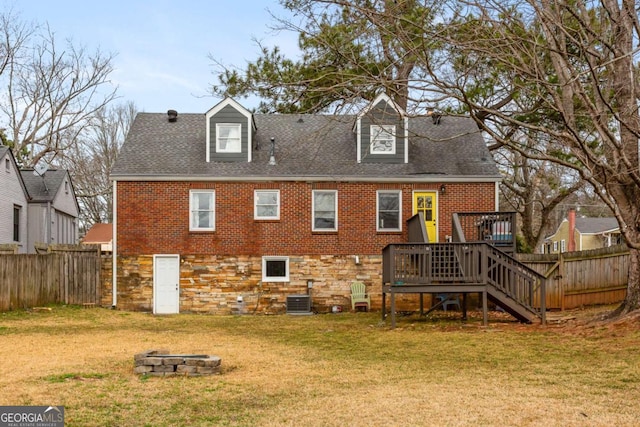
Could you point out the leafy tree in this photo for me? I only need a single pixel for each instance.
(344, 59)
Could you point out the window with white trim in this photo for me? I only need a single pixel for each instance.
(383, 139)
(228, 138)
(202, 209)
(275, 269)
(563, 247)
(267, 204)
(388, 210)
(555, 246)
(324, 210)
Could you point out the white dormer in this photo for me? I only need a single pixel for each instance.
(382, 131)
(229, 134)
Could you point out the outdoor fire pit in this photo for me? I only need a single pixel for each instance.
(161, 363)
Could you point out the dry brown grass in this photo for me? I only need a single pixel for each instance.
(325, 370)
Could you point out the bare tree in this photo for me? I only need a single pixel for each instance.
(90, 162)
(14, 33)
(534, 189)
(51, 90)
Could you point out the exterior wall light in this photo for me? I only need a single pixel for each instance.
(443, 189)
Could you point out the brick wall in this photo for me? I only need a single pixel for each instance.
(153, 217)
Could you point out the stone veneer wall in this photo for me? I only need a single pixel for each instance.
(212, 284)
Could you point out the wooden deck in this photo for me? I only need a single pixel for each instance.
(463, 268)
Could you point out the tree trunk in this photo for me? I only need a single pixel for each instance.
(632, 300)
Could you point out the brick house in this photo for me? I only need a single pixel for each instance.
(228, 206)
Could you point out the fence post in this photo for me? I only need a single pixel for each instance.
(561, 280)
(65, 268)
(543, 300)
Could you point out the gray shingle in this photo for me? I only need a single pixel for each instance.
(42, 190)
(322, 146)
(596, 225)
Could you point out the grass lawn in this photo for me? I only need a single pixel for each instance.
(325, 370)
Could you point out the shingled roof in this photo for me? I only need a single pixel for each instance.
(43, 189)
(306, 147)
(597, 225)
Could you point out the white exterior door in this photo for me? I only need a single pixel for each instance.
(166, 284)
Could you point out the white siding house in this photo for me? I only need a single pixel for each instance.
(53, 208)
(13, 202)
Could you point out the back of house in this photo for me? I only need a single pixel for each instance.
(228, 206)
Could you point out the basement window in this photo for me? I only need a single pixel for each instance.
(275, 269)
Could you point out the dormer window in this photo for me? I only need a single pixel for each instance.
(228, 138)
(383, 140)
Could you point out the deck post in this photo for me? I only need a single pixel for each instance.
(384, 304)
(485, 309)
(464, 306)
(393, 309)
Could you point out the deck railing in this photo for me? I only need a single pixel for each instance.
(416, 229)
(495, 228)
(462, 264)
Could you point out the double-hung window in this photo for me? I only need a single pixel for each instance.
(325, 210)
(383, 139)
(388, 210)
(16, 223)
(228, 138)
(267, 204)
(202, 207)
(275, 269)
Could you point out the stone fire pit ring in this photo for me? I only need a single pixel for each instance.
(161, 363)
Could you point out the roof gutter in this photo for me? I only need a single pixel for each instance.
(387, 179)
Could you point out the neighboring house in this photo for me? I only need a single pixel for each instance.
(588, 233)
(229, 207)
(53, 207)
(100, 234)
(13, 202)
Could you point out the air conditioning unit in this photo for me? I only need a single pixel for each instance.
(299, 304)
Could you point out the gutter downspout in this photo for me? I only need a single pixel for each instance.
(114, 249)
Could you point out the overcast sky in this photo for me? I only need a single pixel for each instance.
(162, 46)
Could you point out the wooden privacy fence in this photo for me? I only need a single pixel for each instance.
(574, 279)
(63, 275)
